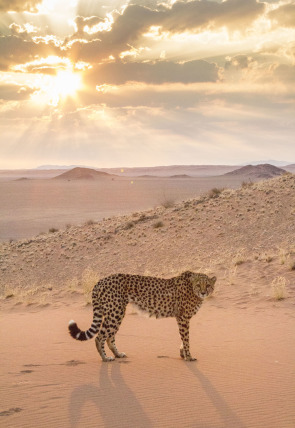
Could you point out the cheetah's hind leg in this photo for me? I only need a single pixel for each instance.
(99, 342)
(112, 345)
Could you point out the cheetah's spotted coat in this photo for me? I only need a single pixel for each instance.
(180, 297)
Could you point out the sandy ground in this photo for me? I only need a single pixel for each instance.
(30, 207)
(244, 376)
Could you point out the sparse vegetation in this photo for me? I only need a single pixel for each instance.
(35, 295)
(129, 225)
(72, 284)
(231, 275)
(279, 288)
(90, 222)
(168, 203)
(53, 230)
(88, 280)
(247, 184)
(283, 256)
(239, 258)
(158, 224)
(215, 192)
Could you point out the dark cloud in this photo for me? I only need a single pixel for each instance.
(118, 73)
(9, 92)
(193, 16)
(285, 73)
(125, 32)
(16, 50)
(196, 15)
(19, 5)
(284, 15)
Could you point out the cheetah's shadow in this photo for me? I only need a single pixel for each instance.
(114, 400)
(227, 415)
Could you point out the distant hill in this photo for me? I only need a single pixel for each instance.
(263, 162)
(180, 176)
(253, 172)
(65, 167)
(83, 174)
(170, 170)
(290, 168)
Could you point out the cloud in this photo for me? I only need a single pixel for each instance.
(19, 5)
(17, 50)
(129, 27)
(25, 29)
(239, 61)
(14, 92)
(118, 73)
(83, 23)
(285, 73)
(196, 15)
(284, 15)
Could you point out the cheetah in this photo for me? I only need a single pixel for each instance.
(180, 297)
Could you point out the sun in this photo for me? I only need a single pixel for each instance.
(66, 83)
(56, 89)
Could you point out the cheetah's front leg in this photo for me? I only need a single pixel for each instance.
(183, 325)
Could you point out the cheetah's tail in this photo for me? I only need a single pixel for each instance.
(78, 334)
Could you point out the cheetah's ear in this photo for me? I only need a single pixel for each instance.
(187, 274)
(213, 280)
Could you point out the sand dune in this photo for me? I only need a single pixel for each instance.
(243, 336)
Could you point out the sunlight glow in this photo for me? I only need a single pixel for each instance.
(60, 6)
(54, 89)
(67, 83)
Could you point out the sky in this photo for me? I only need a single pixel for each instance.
(113, 83)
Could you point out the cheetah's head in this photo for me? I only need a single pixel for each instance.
(202, 285)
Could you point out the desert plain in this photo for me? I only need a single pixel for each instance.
(240, 230)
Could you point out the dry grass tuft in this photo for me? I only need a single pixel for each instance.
(158, 224)
(239, 258)
(72, 284)
(88, 280)
(279, 288)
(284, 255)
(215, 192)
(90, 222)
(230, 275)
(129, 225)
(247, 184)
(168, 203)
(35, 295)
(53, 230)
